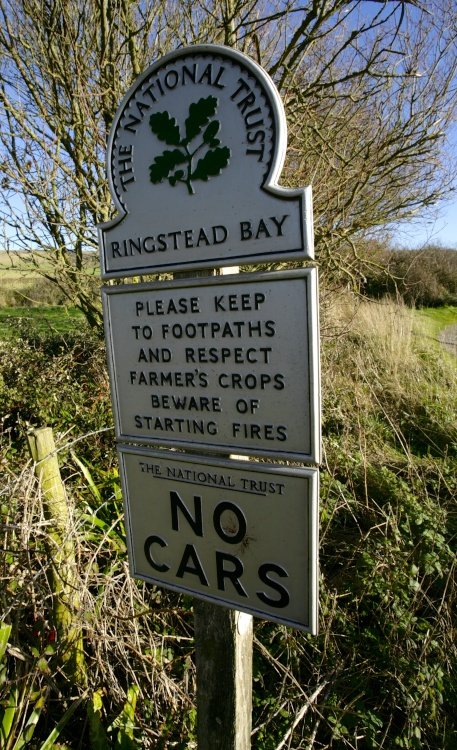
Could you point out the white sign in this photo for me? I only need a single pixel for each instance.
(227, 364)
(194, 155)
(244, 536)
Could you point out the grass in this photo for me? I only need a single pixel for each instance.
(53, 319)
(30, 264)
(31, 301)
(437, 318)
(382, 669)
(23, 281)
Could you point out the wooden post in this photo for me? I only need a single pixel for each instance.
(223, 649)
(61, 552)
(223, 645)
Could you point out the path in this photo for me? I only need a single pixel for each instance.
(448, 337)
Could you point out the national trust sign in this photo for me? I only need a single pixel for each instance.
(206, 124)
(224, 364)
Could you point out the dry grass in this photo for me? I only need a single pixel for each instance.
(393, 333)
(390, 325)
(130, 628)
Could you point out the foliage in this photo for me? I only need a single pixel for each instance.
(361, 83)
(22, 703)
(41, 292)
(421, 278)
(54, 380)
(27, 280)
(166, 129)
(382, 673)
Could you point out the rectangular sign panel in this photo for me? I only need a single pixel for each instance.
(227, 364)
(241, 535)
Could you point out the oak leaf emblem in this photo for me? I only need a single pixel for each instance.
(198, 155)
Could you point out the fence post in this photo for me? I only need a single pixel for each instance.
(61, 552)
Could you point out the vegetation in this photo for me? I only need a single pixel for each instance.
(30, 300)
(49, 320)
(362, 85)
(437, 319)
(96, 659)
(421, 278)
(381, 673)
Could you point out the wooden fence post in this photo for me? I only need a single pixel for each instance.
(61, 552)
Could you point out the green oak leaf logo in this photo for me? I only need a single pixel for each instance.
(178, 165)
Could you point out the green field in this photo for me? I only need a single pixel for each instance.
(26, 295)
(53, 319)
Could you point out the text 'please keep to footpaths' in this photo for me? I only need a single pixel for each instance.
(226, 365)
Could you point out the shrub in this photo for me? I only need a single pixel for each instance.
(425, 278)
(381, 674)
(57, 381)
(40, 292)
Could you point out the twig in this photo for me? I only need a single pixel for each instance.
(301, 714)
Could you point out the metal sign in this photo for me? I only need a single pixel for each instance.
(194, 155)
(244, 536)
(227, 364)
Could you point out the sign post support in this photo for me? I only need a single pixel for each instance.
(223, 648)
(194, 156)
(223, 640)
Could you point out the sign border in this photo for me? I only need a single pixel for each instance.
(308, 274)
(311, 474)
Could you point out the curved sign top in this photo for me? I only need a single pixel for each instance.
(194, 156)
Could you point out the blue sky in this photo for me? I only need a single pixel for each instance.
(440, 227)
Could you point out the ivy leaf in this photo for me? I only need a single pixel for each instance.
(164, 163)
(165, 128)
(214, 161)
(199, 114)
